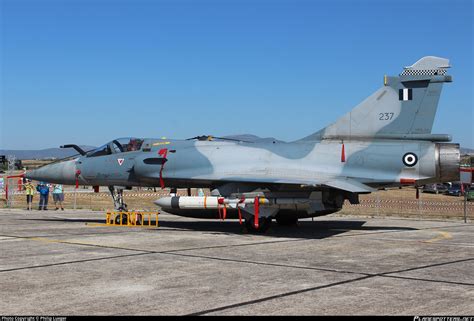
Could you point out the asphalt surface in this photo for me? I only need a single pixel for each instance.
(69, 263)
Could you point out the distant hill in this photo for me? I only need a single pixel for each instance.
(465, 151)
(49, 153)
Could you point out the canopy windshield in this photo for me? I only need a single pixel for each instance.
(127, 144)
(120, 145)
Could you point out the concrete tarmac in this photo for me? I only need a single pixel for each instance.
(68, 263)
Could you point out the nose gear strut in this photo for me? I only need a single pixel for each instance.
(117, 197)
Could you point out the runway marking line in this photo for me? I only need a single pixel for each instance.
(443, 236)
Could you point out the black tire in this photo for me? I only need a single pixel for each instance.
(287, 220)
(124, 219)
(139, 219)
(263, 225)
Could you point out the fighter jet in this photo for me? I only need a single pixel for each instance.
(385, 141)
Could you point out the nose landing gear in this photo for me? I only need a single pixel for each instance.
(117, 197)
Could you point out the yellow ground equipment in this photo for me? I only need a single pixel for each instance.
(133, 218)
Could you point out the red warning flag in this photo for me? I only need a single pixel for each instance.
(240, 215)
(256, 210)
(78, 172)
(163, 153)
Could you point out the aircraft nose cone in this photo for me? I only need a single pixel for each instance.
(60, 173)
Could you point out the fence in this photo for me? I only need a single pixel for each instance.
(401, 203)
(85, 198)
(404, 204)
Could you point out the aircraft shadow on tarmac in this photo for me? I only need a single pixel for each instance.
(304, 229)
(74, 220)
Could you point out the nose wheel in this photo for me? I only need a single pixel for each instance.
(124, 218)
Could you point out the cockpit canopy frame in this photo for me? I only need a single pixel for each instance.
(119, 145)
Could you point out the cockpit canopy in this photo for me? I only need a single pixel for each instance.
(119, 145)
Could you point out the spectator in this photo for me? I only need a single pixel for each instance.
(30, 191)
(43, 189)
(200, 192)
(58, 196)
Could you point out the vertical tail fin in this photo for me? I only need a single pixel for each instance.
(405, 105)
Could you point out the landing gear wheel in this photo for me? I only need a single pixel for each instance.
(139, 219)
(124, 219)
(287, 220)
(263, 225)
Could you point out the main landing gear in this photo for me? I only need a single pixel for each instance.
(263, 224)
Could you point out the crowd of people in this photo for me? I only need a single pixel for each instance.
(44, 190)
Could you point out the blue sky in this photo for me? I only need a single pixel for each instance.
(88, 71)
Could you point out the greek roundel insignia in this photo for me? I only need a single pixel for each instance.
(405, 94)
(120, 161)
(410, 159)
